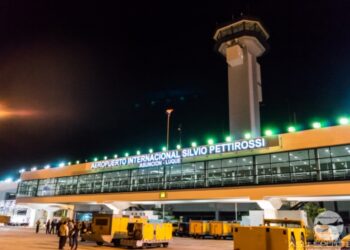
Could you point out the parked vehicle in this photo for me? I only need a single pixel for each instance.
(199, 229)
(108, 228)
(273, 235)
(221, 229)
(345, 243)
(147, 235)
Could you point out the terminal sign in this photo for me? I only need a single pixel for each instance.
(175, 156)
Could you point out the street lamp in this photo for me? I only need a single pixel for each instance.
(179, 129)
(168, 112)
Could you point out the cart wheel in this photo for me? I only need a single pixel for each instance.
(165, 245)
(99, 243)
(116, 242)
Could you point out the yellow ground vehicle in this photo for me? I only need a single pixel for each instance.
(221, 229)
(199, 229)
(147, 235)
(345, 243)
(274, 235)
(110, 228)
(4, 219)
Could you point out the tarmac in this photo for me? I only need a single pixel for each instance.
(18, 238)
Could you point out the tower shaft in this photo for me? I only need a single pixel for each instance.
(244, 91)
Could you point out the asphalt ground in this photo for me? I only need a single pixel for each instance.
(15, 238)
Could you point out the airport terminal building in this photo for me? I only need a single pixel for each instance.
(306, 165)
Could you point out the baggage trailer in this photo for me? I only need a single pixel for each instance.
(221, 229)
(274, 235)
(143, 235)
(199, 229)
(108, 228)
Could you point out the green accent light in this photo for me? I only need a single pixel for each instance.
(126, 154)
(316, 125)
(343, 121)
(69, 163)
(77, 162)
(115, 156)
(210, 141)
(105, 157)
(150, 151)
(95, 159)
(194, 144)
(228, 139)
(163, 149)
(291, 129)
(8, 180)
(247, 136)
(178, 146)
(138, 152)
(268, 132)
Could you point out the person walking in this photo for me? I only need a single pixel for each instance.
(63, 234)
(48, 224)
(70, 230)
(74, 234)
(58, 225)
(82, 230)
(53, 226)
(37, 226)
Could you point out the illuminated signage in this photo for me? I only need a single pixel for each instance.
(163, 195)
(176, 156)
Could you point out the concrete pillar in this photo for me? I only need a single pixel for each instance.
(32, 213)
(217, 214)
(70, 212)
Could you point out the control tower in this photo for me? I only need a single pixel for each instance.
(241, 42)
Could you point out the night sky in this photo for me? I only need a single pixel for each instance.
(82, 79)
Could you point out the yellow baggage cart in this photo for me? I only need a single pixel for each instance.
(199, 229)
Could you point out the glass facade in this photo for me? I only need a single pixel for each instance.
(321, 164)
